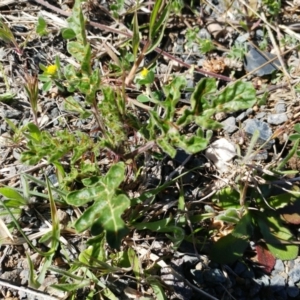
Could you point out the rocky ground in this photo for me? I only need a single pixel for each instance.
(263, 51)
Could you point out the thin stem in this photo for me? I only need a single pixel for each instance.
(98, 118)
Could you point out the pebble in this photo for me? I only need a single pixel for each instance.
(239, 268)
(214, 276)
(263, 280)
(241, 116)
(261, 155)
(292, 290)
(264, 129)
(229, 125)
(181, 156)
(242, 39)
(204, 34)
(280, 108)
(53, 179)
(279, 266)
(219, 116)
(259, 34)
(189, 259)
(277, 282)
(190, 178)
(254, 59)
(11, 114)
(255, 288)
(244, 115)
(295, 274)
(198, 276)
(43, 120)
(260, 115)
(220, 152)
(277, 119)
(17, 154)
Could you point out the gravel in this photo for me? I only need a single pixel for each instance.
(265, 132)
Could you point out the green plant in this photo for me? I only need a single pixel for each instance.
(237, 52)
(157, 25)
(257, 213)
(109, 204)
(41, 26)
(54, 148)
(7, 36)
(258, 223)
(273, 7)
(32, 90)
(205, 102)
(18, 133)
(205, 45)
(52, 75)
(117, 8)
(95, 173)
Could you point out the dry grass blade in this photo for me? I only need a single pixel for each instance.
(40, 295)
(279, 55)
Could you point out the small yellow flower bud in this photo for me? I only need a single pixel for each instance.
(51, 70)
(144, 72)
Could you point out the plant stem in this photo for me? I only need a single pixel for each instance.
(98, 118)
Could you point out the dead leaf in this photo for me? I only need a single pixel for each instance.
(291, 212)
(265, 258)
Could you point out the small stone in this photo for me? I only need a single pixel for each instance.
(241, 116)
(277, 282)
(53, 179)
(254, 59)
(43, 120)
(260, 115)
(263, 280)
(220, 116)
(259, 34)
(190, 178)
(279, 266)
(220, 153)
(16, 154)
(204, 34)
(239, 268)
(248, 274)
(214, 276)
(181, 156)
(242, 39)
(261, 155)
(249, 111)
(198, 275)
(280, 294)
(54, 113)
(188, 259)
(5, 139)
(24, 275)
(229, 125)
(295, 274)
(265, 132)
(277, 119)
(280, 108)
(254, 289)
(12, 114)
(292, 290)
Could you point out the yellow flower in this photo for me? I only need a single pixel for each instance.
(51, 70)
(144, 72)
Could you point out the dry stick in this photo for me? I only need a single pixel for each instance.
(129, 34)
(271, 36)
(43, 164)
(40, 295)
